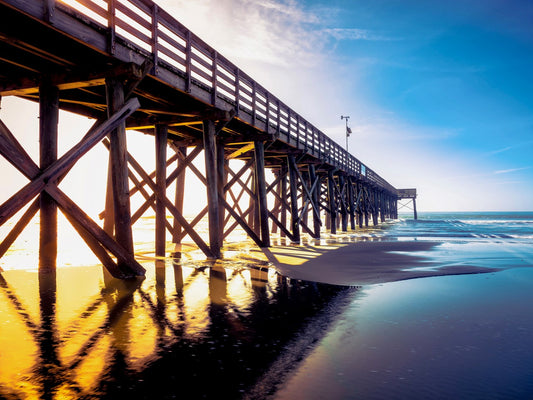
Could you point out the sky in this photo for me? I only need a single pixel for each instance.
(439, 94)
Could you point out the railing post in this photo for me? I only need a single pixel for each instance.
(278, 116)
(214, 73)
(49, 10)
(237, 91)
(188, 61)
(111, 26)
(254, 105)
(267, 100)
(155, 37)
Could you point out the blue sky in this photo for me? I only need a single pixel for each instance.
(439, 93)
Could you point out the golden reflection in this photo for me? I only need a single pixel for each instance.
(64, 332)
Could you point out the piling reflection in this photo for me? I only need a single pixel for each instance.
(212, 331)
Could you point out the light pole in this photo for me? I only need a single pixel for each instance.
(348, 130)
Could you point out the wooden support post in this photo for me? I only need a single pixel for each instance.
(283, 183)
(48, 133)
(109, 212)
(178, 202)
(261, 192)
(304, 179)
(316, 199)
(212, 186)
(360, 202)
(332, 202)
(277, 202)
(381, 207)
(293, 182)
(414, 209)
(252, 205)
(119, 168)
(161, 137)
(351, 202)
(222, 178)
(374, 207)
(344, 211)
(365, 205)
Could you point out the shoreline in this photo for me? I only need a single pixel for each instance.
(367, 262)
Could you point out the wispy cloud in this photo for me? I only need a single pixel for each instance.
(354, 34)
(507, 171)
(502, 150)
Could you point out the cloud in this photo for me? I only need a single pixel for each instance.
(353, 34)
(504, 149)
(507, 171)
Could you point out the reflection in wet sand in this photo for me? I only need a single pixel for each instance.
(211, 331)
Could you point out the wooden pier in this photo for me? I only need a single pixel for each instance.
(134, 68)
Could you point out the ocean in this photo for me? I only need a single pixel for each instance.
(238, 328)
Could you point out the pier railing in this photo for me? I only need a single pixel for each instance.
(172, 47)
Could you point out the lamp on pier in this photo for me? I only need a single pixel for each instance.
(348, 130)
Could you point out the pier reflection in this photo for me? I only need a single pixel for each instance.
(212, 331)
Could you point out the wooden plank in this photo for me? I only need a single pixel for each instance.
(242, 150)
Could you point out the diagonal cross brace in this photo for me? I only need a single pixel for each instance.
(46, 179)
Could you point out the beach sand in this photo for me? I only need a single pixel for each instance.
(366, 262)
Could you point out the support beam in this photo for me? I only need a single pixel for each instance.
(48, 134)
(259, 151)
(344, 210)
(283, 193)
(212, 186)
(293, 182)
(351, 202)
(222, 178)
(332, 202)
(178, 202)
(119, 168)
(315, 194)
(161, 137)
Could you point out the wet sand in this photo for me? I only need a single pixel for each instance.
(365, 262)
(449, 337)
